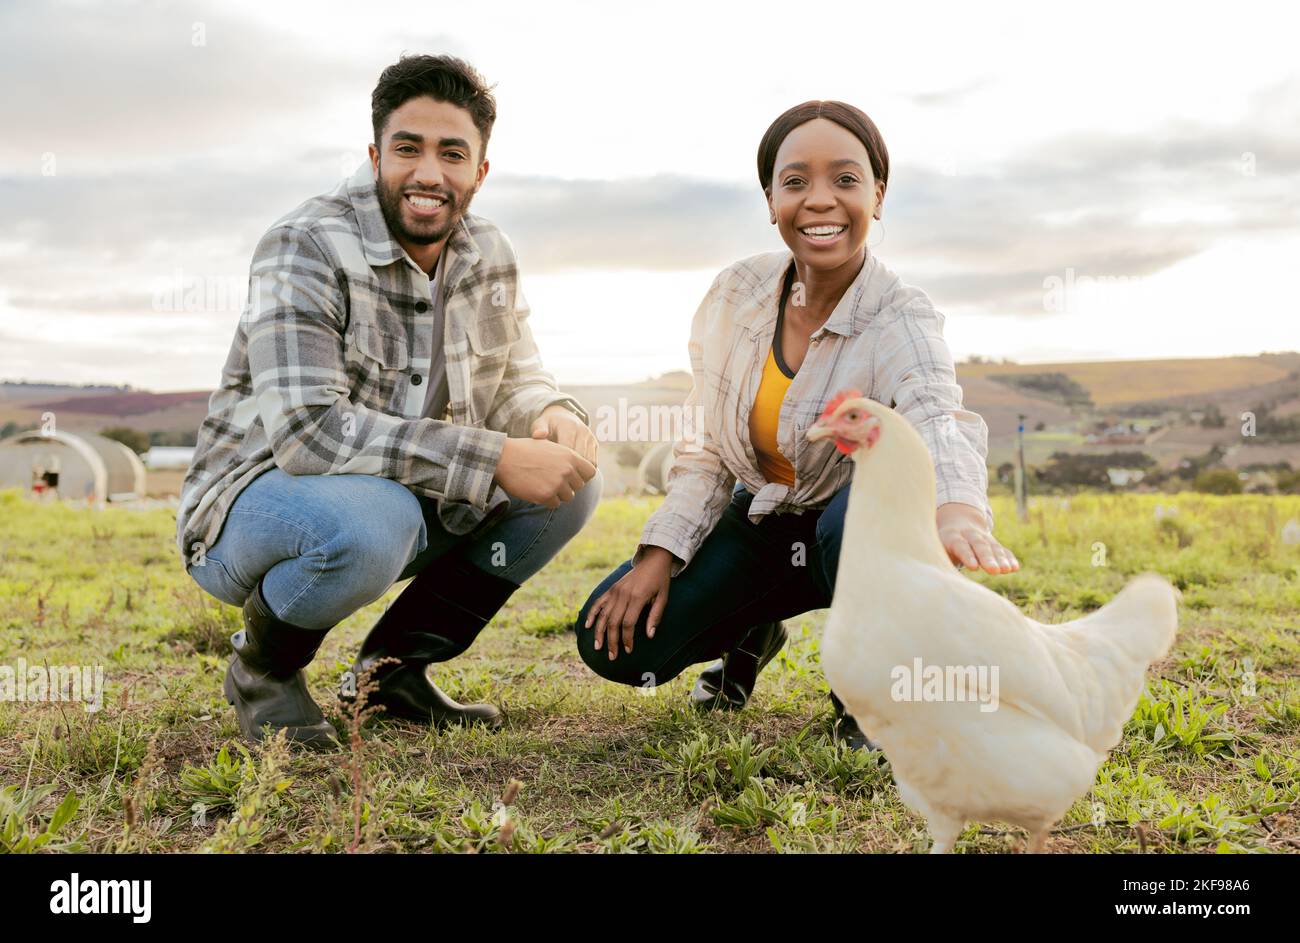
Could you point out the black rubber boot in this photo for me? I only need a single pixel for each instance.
(436, 617)
(846, 729)
(265, 682)
(728, 682)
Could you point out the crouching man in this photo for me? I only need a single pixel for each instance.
(383, 414)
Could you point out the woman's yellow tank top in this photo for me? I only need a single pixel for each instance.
(763, 421)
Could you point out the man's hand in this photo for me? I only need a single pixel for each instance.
(560, 425)
(542, 472)
(965, 535)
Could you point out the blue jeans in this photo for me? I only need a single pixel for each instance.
(323, 546)
(742, 575)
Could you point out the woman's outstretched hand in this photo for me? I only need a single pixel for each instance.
(617, 610)
(965, 535)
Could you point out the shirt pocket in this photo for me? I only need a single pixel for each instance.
(493, 336)
(490, 341)
(378, 355)
(375, 331)
(375, 343)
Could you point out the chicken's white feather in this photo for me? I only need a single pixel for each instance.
(1063, 691)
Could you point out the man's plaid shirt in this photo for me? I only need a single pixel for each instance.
(327, 372)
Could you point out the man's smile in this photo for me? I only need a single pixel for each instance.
(425, 205)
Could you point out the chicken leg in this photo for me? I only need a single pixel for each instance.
(1037, 844)
(945, 832)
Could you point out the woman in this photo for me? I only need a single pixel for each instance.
(776, 336)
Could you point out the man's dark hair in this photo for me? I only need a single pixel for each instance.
(442, 78)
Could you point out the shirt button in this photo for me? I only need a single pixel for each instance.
(421, 307)
(416, 379)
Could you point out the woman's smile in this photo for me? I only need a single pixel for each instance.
(823, 234)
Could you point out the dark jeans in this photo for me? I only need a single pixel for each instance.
(743, 574)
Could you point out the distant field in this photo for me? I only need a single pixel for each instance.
(1209, 762)
(1039, 447)
(127, 404)
(1231, 384)
(164, 483)
(1129, 381)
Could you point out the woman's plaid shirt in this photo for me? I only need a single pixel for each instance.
(884, 338)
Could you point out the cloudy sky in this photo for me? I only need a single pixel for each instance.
(1086, 181)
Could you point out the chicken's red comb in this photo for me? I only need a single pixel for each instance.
(840, 397)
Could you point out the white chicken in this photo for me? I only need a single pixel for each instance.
(984, 714)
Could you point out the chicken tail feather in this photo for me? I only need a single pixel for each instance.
(1119, 642)
(1143, 617)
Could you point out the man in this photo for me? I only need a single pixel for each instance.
(383, 414)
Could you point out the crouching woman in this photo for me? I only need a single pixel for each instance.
(749, 532)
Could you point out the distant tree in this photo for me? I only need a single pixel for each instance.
(1067, 468)
(1272, 428)
(177, 437)
(1218, 481)
(1040, 426)
(1057, 386)
(1281, 466)
(13, 428)
(133, 439)
(1288, 482)
(1155, 477)
(1213, 418)
(1189, 468)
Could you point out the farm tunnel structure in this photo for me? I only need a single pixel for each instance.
(83, 467)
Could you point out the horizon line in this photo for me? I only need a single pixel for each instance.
(985, 360)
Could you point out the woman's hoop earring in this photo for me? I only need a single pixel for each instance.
(880, 224)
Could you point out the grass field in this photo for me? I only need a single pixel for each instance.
(1208, 763)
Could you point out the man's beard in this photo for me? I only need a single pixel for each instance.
(392, 198)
